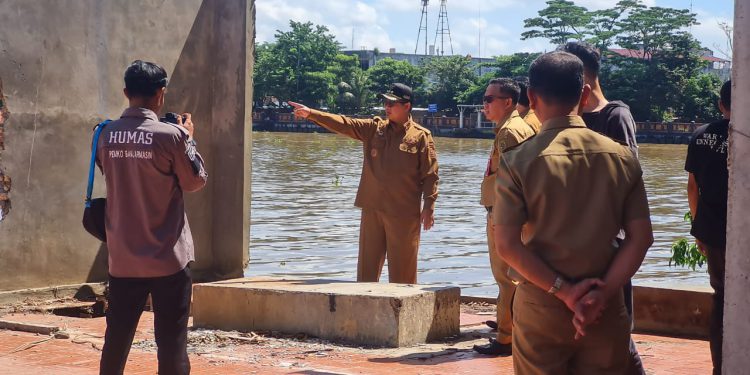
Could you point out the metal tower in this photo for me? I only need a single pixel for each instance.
(443, 28)
(422, 26)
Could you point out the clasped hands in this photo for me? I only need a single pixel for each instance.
(586, 299)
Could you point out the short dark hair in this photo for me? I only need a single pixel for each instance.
(589, 55)
(725, 95)
(557, 77)
(507, 87)
(523, 83)
(144, 79)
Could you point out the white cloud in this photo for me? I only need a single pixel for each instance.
(385, 24)
(710, 34)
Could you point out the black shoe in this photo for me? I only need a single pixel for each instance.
(494, 348)
(492, 324)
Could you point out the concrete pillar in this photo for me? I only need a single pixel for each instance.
(61, 64)
(737, 305)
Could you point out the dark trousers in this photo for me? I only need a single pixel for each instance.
(636, 364)
(716, 258)
(170, 296)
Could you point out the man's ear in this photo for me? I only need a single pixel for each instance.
(532, 98)
(585, 94)
(125, 91)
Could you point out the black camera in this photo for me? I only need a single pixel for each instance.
(170, 117)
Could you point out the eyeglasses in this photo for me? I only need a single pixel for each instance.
(489, 98)
(391, 103)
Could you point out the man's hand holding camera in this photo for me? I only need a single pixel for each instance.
(185, 120)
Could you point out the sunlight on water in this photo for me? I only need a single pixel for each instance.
(304, 224)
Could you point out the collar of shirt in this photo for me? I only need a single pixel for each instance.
(505, 121)
(569, 121)
(140, 113)
(405, 126)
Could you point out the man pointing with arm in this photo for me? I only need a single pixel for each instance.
(400, 171)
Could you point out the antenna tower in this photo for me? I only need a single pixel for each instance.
(422, 26)
(443, 28)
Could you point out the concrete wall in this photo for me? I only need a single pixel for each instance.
(736, 303)
(61, 64)
(677, 310)
(4, 180)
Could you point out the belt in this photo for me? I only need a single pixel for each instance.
(488, 208)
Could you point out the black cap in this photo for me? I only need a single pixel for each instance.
(399, 92)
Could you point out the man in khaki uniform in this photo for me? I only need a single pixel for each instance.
(523, 105)
(561, 198)
(400, 169)
(500, 99)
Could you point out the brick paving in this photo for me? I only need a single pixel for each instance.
(26, 353)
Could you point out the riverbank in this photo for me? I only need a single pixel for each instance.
(78, 348)
(646, 132)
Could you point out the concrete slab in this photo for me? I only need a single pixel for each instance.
(677, 312)
(368, 314)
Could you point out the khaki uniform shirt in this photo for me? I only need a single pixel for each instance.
(512, 132)
(532, 120)
(400, 166)
(573, 189)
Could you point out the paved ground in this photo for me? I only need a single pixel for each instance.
(214, 352)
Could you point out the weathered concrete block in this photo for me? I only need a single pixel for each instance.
(371, 314)
(672, 311)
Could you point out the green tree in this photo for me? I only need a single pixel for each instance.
(603, 26)
(656, 88)
(449, 77)
(510, 66)
(653, 29)
(268, 75)
(388, 71)
(343, 68)
(700, 97)
(360, 90)
(559, 22)
(297, 65)
(355, 95)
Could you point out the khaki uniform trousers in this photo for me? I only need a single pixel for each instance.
(543, 334)
(381, 236)
(507, 288)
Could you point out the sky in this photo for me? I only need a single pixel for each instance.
(386, 24)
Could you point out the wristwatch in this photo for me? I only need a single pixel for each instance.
(556, 286)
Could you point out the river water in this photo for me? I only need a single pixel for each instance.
(304, 223)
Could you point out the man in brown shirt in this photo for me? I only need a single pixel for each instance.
(400, 170)
(562, 197)
(500, 99)
(147, 166)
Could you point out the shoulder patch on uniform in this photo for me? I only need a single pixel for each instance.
(421, 128)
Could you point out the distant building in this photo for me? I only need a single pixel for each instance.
(368, 58)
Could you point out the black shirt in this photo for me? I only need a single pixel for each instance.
(707, 161)
(616, 122)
